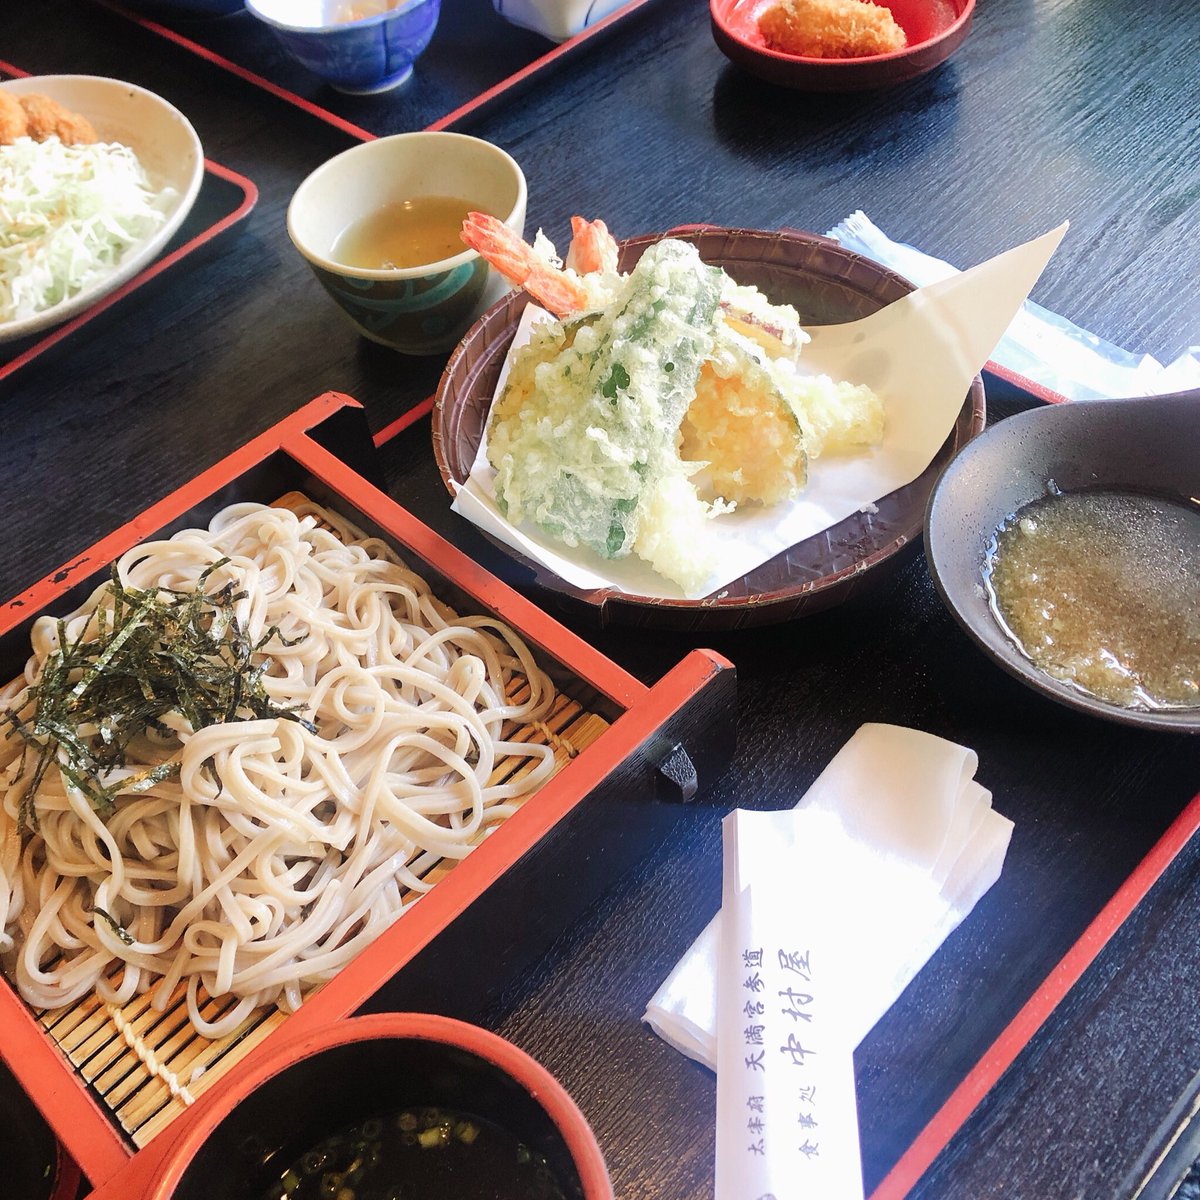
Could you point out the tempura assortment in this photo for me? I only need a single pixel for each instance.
(656, 400)
(831, 28)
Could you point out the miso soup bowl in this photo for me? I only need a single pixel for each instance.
(239, 1141)
(416, 310)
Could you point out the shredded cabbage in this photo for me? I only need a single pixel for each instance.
(67, 215)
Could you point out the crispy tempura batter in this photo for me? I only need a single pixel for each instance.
(47, 118)
(656, 403)
(742, 428)
(12, 119)
(831, 28)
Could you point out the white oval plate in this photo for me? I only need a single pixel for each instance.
(167, 147)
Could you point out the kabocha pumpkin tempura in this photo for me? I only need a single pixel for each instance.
(655, 402)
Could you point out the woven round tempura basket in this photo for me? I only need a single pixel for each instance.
(827, 285)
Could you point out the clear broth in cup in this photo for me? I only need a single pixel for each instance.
(405, 233)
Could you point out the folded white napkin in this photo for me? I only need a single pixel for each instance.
(1040, 345)
(898, 812)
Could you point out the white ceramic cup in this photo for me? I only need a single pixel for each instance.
(417, 310)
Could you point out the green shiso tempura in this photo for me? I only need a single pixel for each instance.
(584, 438)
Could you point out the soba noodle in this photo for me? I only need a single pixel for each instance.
(276, 854)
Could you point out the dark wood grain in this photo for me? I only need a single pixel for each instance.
(473, 49)
(1084, 109)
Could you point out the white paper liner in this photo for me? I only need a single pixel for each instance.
(1040, 345)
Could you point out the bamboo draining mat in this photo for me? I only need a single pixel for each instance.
(145, 1064)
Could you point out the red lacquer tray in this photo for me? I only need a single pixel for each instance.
(1000, 1055)
(630, 754)
(226, 198)
(446, 86)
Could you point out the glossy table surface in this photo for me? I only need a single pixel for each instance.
(1052, 109)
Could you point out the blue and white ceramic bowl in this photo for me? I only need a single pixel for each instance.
(417, 310)
(356, 46)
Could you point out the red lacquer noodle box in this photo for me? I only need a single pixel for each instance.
(631, 756)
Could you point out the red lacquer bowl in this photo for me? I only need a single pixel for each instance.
(935, 29)
(242, 1137)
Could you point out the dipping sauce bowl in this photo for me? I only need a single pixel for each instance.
(367, 1069)
(36, 1167)
(1150, 444)
(422, 309)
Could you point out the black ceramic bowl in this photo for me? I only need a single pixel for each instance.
(1148, 444)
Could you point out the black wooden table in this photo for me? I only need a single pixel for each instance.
(1086, 109)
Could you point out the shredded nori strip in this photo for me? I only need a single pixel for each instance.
(148, 653)
(117, 928)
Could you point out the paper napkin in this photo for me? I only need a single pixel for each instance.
(787, 1115)
(899, 819)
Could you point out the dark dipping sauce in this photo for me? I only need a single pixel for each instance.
(1101, 589)
(419, 1154)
